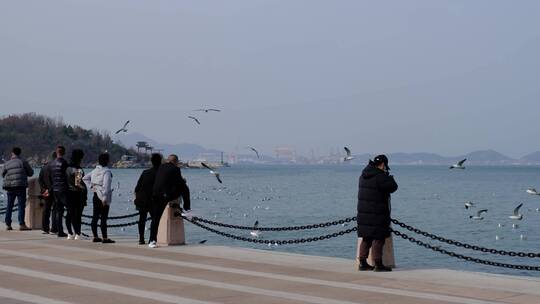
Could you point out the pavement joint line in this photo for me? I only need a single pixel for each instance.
(154, 296)
(28, 297)
(296, 279)
(180, 279)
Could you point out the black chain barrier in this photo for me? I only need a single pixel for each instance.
(464, 257)
(465, 245)
(275, 242)
(115, 217)
(118, 225)
(296, 228)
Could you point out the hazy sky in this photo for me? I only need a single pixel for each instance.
(379, 76)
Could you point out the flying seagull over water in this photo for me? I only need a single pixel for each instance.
(213, 171)
(254, 150)
(349, 156)
(478, 215)
(123, 129)
(532, 191)
(255, 232)
(195, 119)
(459, 165)
(516, 215)
(468, 205)
(208, 110)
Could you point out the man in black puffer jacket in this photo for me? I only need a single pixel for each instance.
(373, 217)
(143, 193)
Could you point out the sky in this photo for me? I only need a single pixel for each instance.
(447, 77)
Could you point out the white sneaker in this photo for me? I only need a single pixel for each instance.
(152, 244)
(77, 236)
(70, 237)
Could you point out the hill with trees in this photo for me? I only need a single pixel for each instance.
(38, 136)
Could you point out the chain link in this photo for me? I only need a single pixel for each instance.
(115, 217)
(295, 228)
(465, 245)
(274, 242)
(464, 257)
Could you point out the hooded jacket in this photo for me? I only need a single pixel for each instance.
(100, 181)
(374, 189)
(15, 173)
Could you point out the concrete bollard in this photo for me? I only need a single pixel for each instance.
(34, 205)
(171, 227)
(388, 253)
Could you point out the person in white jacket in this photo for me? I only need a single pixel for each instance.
(100, 181)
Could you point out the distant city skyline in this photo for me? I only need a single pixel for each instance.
(447, 77)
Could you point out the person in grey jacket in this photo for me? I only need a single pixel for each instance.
(15, 173)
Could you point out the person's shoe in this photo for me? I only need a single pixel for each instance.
(142, 242)
(364, 266)
(8, 228)
(23, 227)
(53, 231)
(77, 237)
(70, 237)
(152, 244)
(44, 232)
(62, 234)
(108, 241)
(97, 240)
(381, 268)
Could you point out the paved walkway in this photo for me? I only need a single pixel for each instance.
(47, 270)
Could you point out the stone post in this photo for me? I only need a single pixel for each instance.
(34, 205)
(388, 253)
(171, 227)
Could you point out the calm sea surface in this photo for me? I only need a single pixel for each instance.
(429, 197)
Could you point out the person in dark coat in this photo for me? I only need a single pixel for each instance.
(168, 186)
(76, 195)
(375, 187)
(45, 182)
(60, 188)
(143, 193)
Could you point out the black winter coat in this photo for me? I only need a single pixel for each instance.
(143, 190)
(170, 185)
(373, 208)
(58, 175)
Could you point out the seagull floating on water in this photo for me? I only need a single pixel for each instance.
(213, 171)
(515, 226)
(478, 215)
(469, 205)
(459, 165)
(349, 156)
(123, 129)
(532, 191)
(207, 110)
(195, 119)
(254, 150)
(516, 215)
(255, 233)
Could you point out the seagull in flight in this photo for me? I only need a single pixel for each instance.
(254, 150)
(516, 215)
(195, 119)
(459, 165)
(349, 156)
(532, 191)
(213, 171)
(255, 233)
(469, 205)
(207, 110)
(123, 129)
(478, 215)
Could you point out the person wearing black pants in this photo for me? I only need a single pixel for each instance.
(60, 187)
(76, 195)
(100, 180)
(168, 186)
(143, 193)
(47, 196)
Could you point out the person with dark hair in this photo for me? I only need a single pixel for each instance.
(60, 187)
(375, 187)
(76, 195)
(100, 180)
(168, 186)
(45, 183)
(15, 173)
(143, 193)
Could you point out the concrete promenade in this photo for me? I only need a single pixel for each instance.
(36, 268)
